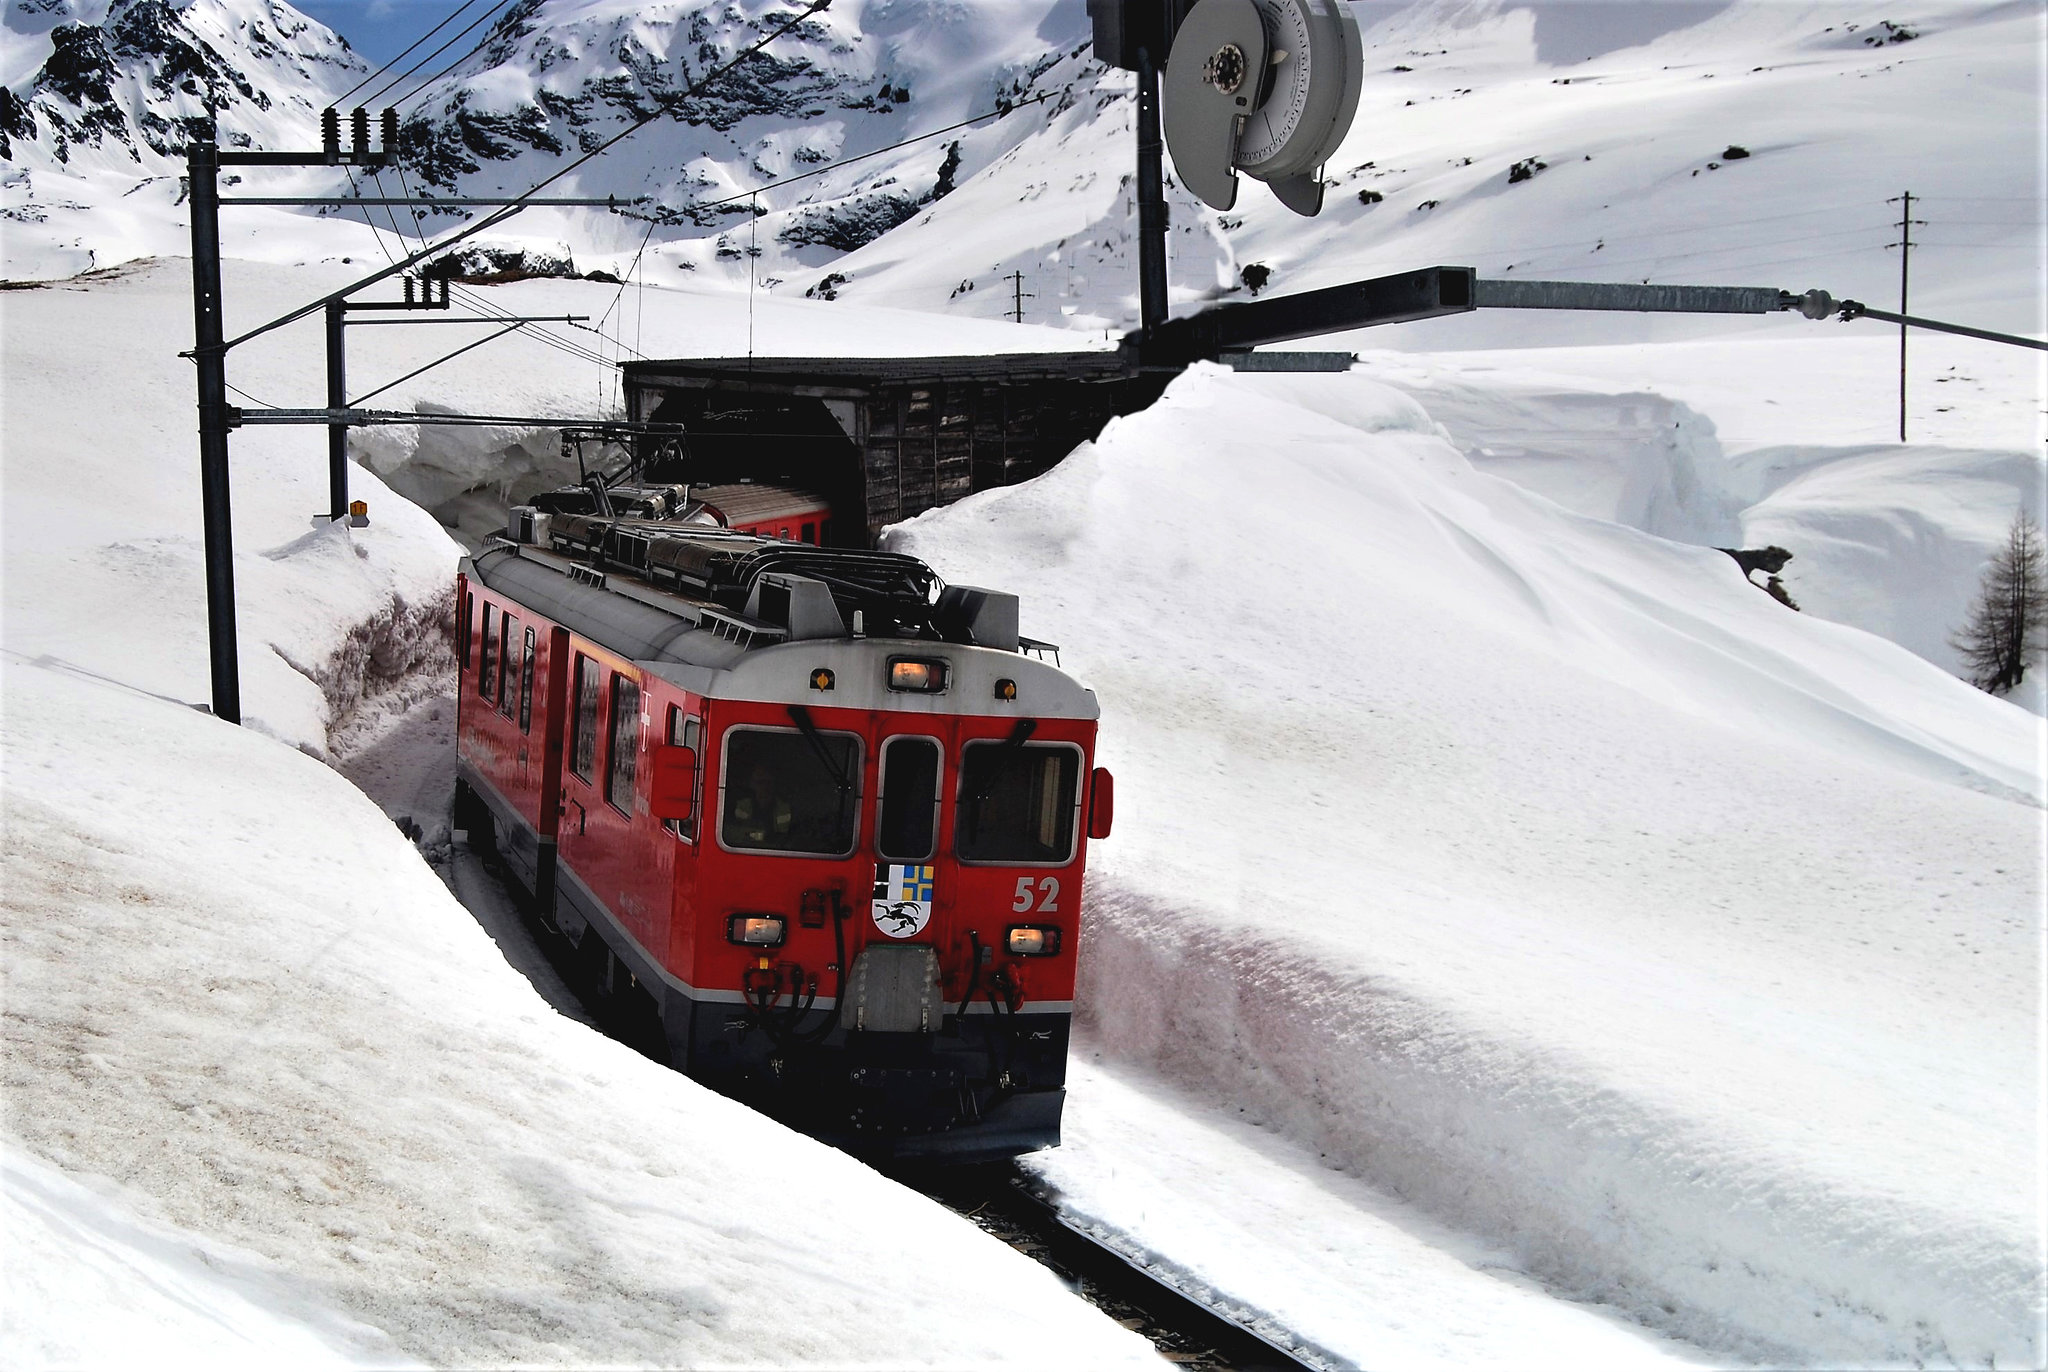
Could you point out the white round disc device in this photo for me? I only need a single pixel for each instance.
(1266, 87)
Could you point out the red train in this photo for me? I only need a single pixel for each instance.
(829, 815)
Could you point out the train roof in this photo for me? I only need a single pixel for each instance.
(707, 608)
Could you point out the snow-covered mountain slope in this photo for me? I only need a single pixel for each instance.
(1636, 180)
(102, 95)
(1759, 145)
(1548, 875)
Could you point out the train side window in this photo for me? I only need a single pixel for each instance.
(462, 629)
(908, 828)
(508, 662)
(686, 731)
(1018, 802)
(789, 791)
(625, 743)
(583, 750)
(486, 659)
(526, 687)
(810, 533)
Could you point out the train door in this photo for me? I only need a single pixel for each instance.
(612, 864)
(554, 714)
(909, 900)
(683, 727)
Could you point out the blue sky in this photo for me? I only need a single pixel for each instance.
(381, 29)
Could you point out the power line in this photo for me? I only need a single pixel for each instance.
(995, 113)
(519, 203)
(540, 335)
(372, 98)
(1651, 255)
(423, 87)
(339, 99)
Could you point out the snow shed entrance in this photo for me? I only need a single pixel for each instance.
(885, 438)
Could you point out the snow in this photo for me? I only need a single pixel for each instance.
(90, 1284)
(1800, 451)
(1555, 943)
(1548, 876)
(235, 988)
(339, 1123)
(107, 525)
(1261, 1226)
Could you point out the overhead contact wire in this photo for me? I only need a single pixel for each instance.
(467, 29)
(392, 62)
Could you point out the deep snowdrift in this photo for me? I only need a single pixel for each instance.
(1545, 873)
(1801, 453)
(235, 989)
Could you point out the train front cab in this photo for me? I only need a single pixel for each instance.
(938, 856)
(736, 838)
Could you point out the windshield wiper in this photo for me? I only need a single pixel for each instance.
(811, 735)
(1005, 750)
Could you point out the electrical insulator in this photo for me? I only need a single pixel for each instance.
(330, 133)
(359, 128)
(390, 132)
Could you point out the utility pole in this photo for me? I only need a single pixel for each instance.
(202, 166)
(1018, 295)
(337, 399)
(1151, 198)
(1905, 247)
(203, 162)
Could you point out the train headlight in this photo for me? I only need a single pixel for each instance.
(756, 931)
(1033, 940)
(927, 675)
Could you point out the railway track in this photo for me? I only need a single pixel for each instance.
(1000, 1198)
(1009, 1204)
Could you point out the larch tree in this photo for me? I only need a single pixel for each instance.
(2008, 624)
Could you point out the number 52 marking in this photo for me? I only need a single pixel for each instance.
(1047, 896)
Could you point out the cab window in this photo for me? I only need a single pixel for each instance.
(625, 743)
(583, 746)
(908, 828)
(686, 731)
(526, 687)
(1017, 802)
(486, 659)
(508, 662)
(789, 791)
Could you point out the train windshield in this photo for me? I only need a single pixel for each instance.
(790, 792)
(1017, 802)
